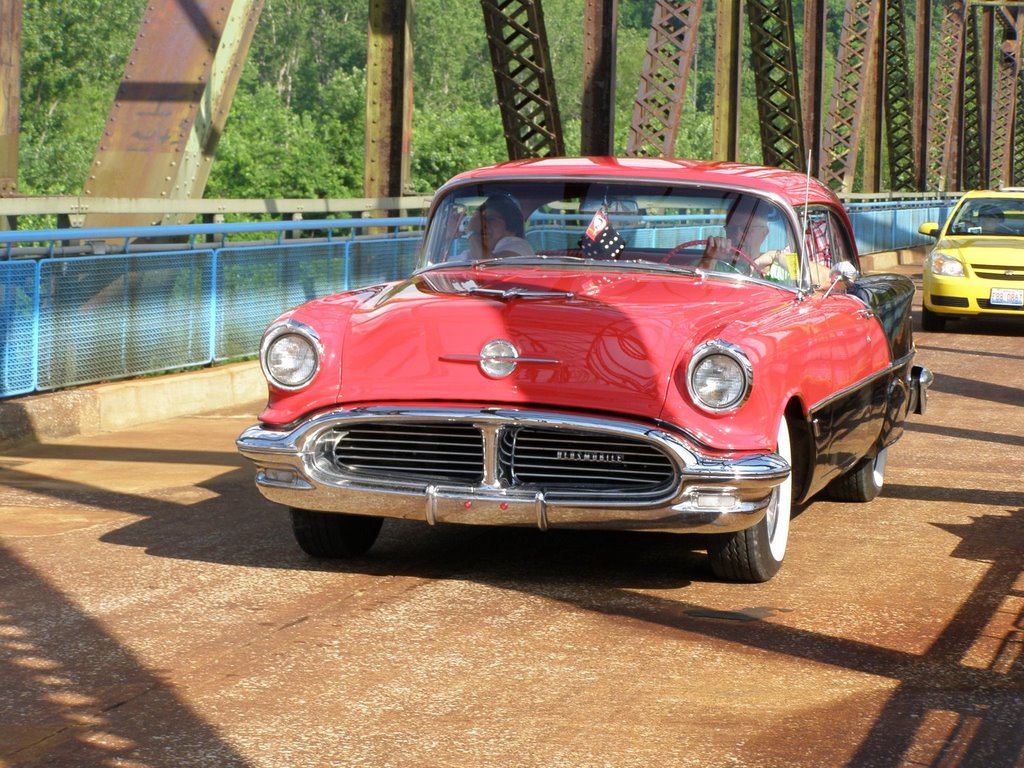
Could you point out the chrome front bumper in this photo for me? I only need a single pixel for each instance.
(708, 494)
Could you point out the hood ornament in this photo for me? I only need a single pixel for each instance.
(498, 358)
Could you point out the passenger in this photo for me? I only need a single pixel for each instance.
(496, 229)
(745, 234)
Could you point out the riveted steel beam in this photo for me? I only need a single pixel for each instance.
(728, 63)
(173, 101)
(946, 104)
(973, 169)
(1017, 159)
(600, 28)
(814, 81)
(10, 94)
(903, 173)
(838, 162)
(388, 98)
(1007, 68)
(659, 99)
(523, 76)
(773, 55)
(872, 132)
(922, 91)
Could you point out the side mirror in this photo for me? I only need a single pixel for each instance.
(844, 272)
(929, 229)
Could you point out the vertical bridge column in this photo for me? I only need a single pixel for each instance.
(10, 94)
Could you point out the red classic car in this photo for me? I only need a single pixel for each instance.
(637, 344)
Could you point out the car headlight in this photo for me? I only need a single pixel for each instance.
(719, 376)
(290, 355)
(945, 265)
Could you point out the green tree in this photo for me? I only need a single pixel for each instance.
(68, 82)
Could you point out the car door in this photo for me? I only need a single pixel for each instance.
(848, 423)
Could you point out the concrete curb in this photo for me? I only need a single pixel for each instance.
(108, 407)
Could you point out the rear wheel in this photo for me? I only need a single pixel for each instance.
(334, 535)
(931, 321)
(756, 554)
(862, 483)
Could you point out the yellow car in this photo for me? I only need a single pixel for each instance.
(977, 264)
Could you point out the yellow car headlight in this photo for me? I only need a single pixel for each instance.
(945, 265)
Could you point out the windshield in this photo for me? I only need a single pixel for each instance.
(598, 221)
(989, 216)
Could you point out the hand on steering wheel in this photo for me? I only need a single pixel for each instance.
(735, 251)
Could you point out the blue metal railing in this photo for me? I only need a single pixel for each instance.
(887, 226)
(72, 320)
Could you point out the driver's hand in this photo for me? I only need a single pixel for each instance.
(718, 247)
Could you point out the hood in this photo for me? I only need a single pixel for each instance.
(998, 251)
(602, 341)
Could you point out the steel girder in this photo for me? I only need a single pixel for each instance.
(389, 69)
(1017, 156)
(1007, 72)
(813, 80)
(10, 94)
(725, 140)
(838, 164)
(173, 101)
(659, 100)
(898, 100)
(773, 54)
(973, 171)
(523, 76)
(600, 36)
(945, 104)
(922, 89)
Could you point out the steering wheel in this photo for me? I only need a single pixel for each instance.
(739, 252)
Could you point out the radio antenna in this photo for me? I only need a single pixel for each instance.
(806, 256)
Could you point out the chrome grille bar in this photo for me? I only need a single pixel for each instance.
(444, 452)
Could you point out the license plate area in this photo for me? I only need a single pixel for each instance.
(1007, 297)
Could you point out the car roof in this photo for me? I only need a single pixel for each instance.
(791, 186)
(1012, 193)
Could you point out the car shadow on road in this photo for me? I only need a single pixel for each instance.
(978, 390)
(72, 695)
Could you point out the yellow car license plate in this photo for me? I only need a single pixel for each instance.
(1007, 297)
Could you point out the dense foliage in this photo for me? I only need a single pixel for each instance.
(296, 127)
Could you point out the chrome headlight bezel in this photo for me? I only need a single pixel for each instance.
(301, 333)
(943, 265)
(732, 364)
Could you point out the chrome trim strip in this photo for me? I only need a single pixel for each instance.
(500, 358)
(870, 379)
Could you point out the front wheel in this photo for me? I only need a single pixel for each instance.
(756, 554)
(332, 534)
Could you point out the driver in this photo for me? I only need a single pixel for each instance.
(496, 229)
(990, 218)
(745, 235)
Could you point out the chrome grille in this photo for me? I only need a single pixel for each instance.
(435, 452)
(554, 458)
(538, 457)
